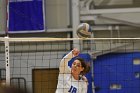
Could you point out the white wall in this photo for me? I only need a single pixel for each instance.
(57, 13)
(22, 64)
(2, 16)
(2, 60)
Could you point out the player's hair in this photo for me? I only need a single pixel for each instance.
(83, 64)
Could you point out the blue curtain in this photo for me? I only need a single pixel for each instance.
(117, 68)
(25, 16)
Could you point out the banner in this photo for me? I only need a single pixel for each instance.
(25, 16)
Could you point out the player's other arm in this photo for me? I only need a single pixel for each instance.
(64, 68)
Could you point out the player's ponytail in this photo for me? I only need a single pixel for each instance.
(87, 69)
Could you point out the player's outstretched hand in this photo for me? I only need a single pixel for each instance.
(75, 52)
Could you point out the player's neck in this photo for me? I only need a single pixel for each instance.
(75, 76)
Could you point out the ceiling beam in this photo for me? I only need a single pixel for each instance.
(109, 11)
(120, 21)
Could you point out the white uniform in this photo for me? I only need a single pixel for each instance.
(66, 82)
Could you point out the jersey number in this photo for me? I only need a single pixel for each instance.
(72, 89)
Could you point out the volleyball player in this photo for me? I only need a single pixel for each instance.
(72, 79)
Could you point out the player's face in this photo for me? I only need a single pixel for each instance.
(77, 67)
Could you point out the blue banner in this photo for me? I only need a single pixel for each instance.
(26, 16)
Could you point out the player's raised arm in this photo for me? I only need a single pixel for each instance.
(64, 68)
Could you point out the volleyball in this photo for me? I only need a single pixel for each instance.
(83, 30)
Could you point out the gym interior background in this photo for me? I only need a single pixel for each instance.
(115, 63)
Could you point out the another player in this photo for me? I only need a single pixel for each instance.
(72, 80)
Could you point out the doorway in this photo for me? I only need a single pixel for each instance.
(45, 80)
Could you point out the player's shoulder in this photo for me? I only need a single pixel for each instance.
(84, 79)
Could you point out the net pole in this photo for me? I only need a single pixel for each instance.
(7, 62)
(92, 65)
(75, 21)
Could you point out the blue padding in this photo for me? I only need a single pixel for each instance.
(117, 68)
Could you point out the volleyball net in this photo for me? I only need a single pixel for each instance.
(33, 63)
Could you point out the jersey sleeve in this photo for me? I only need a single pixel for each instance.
(85, 85)
(64, 68)
(84, 89)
